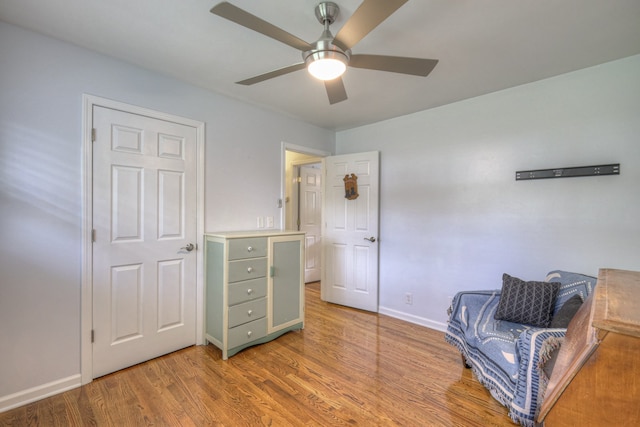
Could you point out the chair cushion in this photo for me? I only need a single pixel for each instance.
(529, 303)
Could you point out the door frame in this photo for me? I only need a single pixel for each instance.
(86, 299)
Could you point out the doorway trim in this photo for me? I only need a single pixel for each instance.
(86, 291)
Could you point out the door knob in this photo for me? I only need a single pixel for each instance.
(371, 239)
(189, 247)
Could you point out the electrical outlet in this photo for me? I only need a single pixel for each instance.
(269, 222)
(408, 298)
(260, 223)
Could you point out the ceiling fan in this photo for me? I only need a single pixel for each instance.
(328, 57)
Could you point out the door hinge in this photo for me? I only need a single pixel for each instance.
(93, 235)
(299, 180)
(93, 336)
(93, 134)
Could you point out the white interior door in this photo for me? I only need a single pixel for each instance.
(350, 273)
(310, 214)
(144, 220)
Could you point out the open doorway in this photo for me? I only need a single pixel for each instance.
(302, 195)
(349, 231)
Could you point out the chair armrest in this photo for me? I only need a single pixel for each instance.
(526, 394)
(466, 297)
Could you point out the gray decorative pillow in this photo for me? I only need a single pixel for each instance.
(529, 303)
(562, 318)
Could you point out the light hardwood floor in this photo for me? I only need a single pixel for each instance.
(347, 367)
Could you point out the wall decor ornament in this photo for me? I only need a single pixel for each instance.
(351, 186)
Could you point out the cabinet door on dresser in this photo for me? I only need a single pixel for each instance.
(286, 281)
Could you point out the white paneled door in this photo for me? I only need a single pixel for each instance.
(350, 273)
(144, 221)
(310, 220)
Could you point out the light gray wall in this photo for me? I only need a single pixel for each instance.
(41, 87)
(452, 215)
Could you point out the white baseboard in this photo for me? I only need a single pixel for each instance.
(439, 326)
(39, 392)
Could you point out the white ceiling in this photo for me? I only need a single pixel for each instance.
(483, 46)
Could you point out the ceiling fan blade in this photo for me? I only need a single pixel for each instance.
(394, 64)
(368, 16)
(272, 74)
(335, 90)
(239, 16)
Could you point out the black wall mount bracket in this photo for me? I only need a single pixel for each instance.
(611, 169)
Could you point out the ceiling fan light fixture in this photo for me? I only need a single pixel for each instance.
(326, 65)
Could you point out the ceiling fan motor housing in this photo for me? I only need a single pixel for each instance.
(325, 49)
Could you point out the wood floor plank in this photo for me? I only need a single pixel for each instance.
(347, 367)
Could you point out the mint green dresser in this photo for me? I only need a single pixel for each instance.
(254, 287)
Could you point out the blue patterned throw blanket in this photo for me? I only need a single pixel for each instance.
(504, 356)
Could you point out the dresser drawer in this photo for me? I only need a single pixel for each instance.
(247, 312)
(247, 290)
(247, 269)
(244, 334)
(253, 247)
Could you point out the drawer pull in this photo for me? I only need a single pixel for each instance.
(249, 334)
(249, 270)
(250, 249)
(249, 313)
(249, 291)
